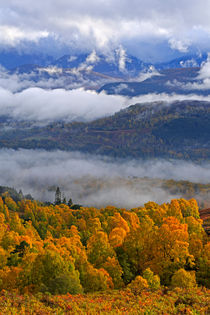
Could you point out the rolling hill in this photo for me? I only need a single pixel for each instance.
(150, 130)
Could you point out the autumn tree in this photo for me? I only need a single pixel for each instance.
(152, 280)
(183, 279)
(114, 269)
(170, 252)
(99, 249)
(51, 273)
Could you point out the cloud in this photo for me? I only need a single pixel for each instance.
(167, 98)
(12, 35)
(94, 180)
(92, 58)
(122, 87)
(122, 58)
(179, 45)
(201, 82)
(189, 63)
(148, 73)
(58, 104)
(21, 99)
(205, 69)
(98, 23)
(53, 77)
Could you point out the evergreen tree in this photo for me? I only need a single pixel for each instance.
(63, 199)
(70, 202)
(57, 196)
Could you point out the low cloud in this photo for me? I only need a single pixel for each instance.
(94, 180)
(47, 105)
(24, 98)
(52, 77)
(58, 104)
(201, 82)
(205, 69)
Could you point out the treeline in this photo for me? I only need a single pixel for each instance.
(57, 249)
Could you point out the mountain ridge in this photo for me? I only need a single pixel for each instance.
(150, 130)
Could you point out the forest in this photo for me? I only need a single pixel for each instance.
(147, 260)
(146, 130)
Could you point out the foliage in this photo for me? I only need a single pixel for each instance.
(177, 301)
(183, 279)
(152, 280)
(138, 285)
(58, 250)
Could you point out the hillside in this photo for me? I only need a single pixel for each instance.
(177, 130)
(179, 80)
(57, 249)
(56, 260)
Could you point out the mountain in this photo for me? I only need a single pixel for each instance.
(114, 65)
(117, 73)
(180, 81)
(187, 61)
(150, 130)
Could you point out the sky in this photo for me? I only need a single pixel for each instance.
(151, 29)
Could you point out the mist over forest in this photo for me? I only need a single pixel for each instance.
(95, 180)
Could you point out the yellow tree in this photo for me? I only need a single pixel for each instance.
(99, 249)
(183, 279)
(170, 252)
(174, 210)
(117, 236)
(114, 269)
(138, 246)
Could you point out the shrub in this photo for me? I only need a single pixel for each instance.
(183, 279)
(153, 280)
(138, 285)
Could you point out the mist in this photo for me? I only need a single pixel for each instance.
(94, 180)
(46, 106)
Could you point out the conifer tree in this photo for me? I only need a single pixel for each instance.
(70, 202)
(57, 196)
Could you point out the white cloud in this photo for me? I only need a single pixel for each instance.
(49, 105)
(202, 81)
(94, 180)
(179, 45)
(205, 69)
(22, 100)
(148, 73)
(189, 63)
(92, 58)
(53, 77)
(12, 35)
(99, 23)
(122, 58)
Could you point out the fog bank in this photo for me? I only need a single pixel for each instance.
(94, 180)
